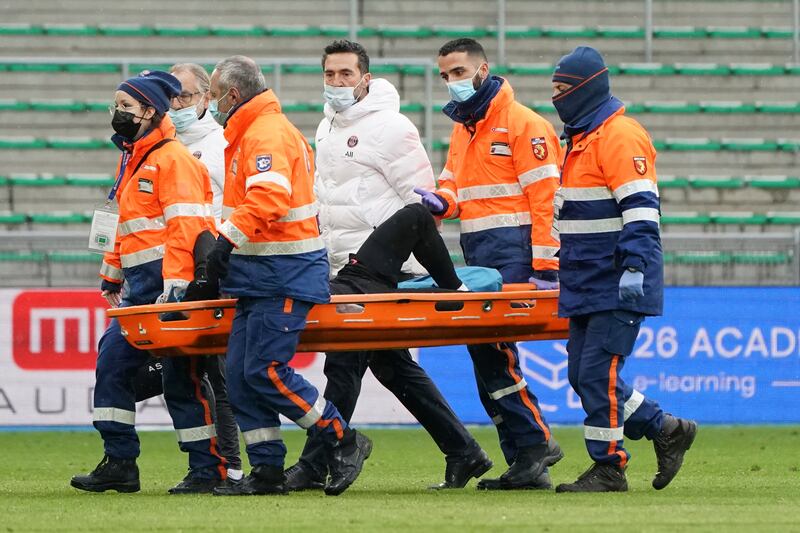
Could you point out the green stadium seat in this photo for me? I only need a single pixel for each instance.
(385, 69)
(10, 218)
(696, 144)
(97, 106)
(761, 257)
(569, 32)
(125, 30)
(36, 180)
(789, 145)
(672, 182)
(136, 68)
(340, 31)
(542, 106)
(716, 182)
(13, 105)
(22, 257)
(685, 217)
(702, 69)
(670, 107)
(635, 108)
(3, 181)
(57, 105)
(777, 32)
(71, 256)
(59, 217)
(620, 32)
(452, 32)
(20, 29)
(77, 143)
(749, 145)
(70, 29)
(413, 70)
(228, 30)
(34, 67)
(792, 69)
(293, 31)
(702, 257)
(22, 143)
(182, 31)
(784, 217)
(679, 32)
(302, 69)
(522, 32)
(738, 217)
(773, 182)
(90, 180)
(646, 69)
(727, 107)
(412, 107)
(733, 32)
(757, 69)
(93, 68)
(778, 107)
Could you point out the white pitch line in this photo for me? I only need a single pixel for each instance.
(786, 383)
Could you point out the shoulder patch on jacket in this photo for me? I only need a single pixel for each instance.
(640, 165)
(539, 146)
(263, 162)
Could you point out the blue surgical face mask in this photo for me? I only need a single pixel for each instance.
(183, 118)
(213, 108)
(462, 90)
(340, 98)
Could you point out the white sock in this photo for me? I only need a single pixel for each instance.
(235, 475)
(463, 288)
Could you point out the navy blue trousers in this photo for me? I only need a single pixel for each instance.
(597, 347)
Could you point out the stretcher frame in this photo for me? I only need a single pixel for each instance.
(359, 321)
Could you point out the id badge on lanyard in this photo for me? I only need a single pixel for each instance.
(103, 233)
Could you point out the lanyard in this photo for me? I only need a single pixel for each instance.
(126, 156)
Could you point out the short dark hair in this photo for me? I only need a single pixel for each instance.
(343, 46)
(465, 44)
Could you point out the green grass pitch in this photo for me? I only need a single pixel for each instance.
(734, 478)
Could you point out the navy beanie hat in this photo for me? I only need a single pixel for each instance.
(154, 88)
(585, 70)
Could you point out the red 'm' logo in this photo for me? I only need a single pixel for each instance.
(57, 330)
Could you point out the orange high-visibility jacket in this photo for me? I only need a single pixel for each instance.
(500, 181)
(162, 210)
(269, 206)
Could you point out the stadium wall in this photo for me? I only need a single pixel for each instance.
(719, 355)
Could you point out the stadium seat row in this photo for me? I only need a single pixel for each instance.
(677, 107)
(530, 69)
(669, 144)
(664, 181)
(394, 31)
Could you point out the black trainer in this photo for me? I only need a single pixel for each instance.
(671, 444)
(121, 475)
(192, 484)
(346, 460)
(605, 477)
(460, 469)
(301, 477)
(527, 469)
(263, 479)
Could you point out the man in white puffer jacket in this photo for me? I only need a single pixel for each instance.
(369, 161)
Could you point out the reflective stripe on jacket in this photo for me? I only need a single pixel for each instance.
(162, 209)
(269, 207)
(500, 182)
(608, 214)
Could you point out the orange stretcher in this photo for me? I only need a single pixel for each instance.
(359, 322)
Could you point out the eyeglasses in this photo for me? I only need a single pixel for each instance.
(186, 98)
(126, 108)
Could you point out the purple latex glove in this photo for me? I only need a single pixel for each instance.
(543, 285)
(435, 203)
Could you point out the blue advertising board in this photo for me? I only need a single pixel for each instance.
(718, 355)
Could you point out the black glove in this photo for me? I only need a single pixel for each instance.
(110, 286)
(202, 288)
(217, 260)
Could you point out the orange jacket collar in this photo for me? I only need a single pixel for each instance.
(243, 116)
(165, 130)
(503, 99)
(578, 140)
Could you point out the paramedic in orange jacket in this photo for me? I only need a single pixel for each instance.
(608, 219)
(500, 176)
(164, 197)
(271, 257)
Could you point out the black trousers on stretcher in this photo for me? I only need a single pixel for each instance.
(376, 267)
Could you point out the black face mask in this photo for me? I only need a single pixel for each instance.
(123, 123)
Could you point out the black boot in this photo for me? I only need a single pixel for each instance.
(346, 460)
(460, 469)
(121, 475)
(263, 479)
(543, 482)
(604, 477)
(671, 444)
(527, 469)
(192, 484)
(303, 477)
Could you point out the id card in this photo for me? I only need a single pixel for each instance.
(103, 231)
